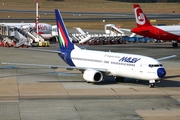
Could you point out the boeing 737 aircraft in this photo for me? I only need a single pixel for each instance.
(95, 64)
(145, 28)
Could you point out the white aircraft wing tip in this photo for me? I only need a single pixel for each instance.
(168, 57)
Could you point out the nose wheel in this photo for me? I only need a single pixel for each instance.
(151, 85)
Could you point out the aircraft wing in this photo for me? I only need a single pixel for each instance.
(167, 57)
(56, 66)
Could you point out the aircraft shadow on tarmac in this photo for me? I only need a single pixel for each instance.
(108, 80)
(166, 82)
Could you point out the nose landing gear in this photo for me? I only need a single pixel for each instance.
(151, 85)
(152, 82)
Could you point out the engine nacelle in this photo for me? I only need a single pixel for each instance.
(91, 75)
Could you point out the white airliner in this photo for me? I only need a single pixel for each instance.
(43, 28)
(95, 64)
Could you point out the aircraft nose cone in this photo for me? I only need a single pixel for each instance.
(161, 72)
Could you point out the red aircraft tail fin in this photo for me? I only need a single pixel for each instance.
(141, 19)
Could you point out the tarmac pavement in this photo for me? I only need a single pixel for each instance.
(28, 93)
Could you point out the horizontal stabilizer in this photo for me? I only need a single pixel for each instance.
(43, 50)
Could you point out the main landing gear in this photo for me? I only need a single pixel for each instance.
(174, 44)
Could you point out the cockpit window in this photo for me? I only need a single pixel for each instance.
(155, 65)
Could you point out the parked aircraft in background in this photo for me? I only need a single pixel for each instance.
(95, 64)
(43, 28)
(145, 28)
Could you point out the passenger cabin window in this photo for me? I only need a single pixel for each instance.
(155, 65)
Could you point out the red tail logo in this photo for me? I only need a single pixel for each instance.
(141, 19)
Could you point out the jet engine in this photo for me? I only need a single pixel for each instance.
(91, 75)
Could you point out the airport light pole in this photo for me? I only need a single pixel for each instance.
(37, 39)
